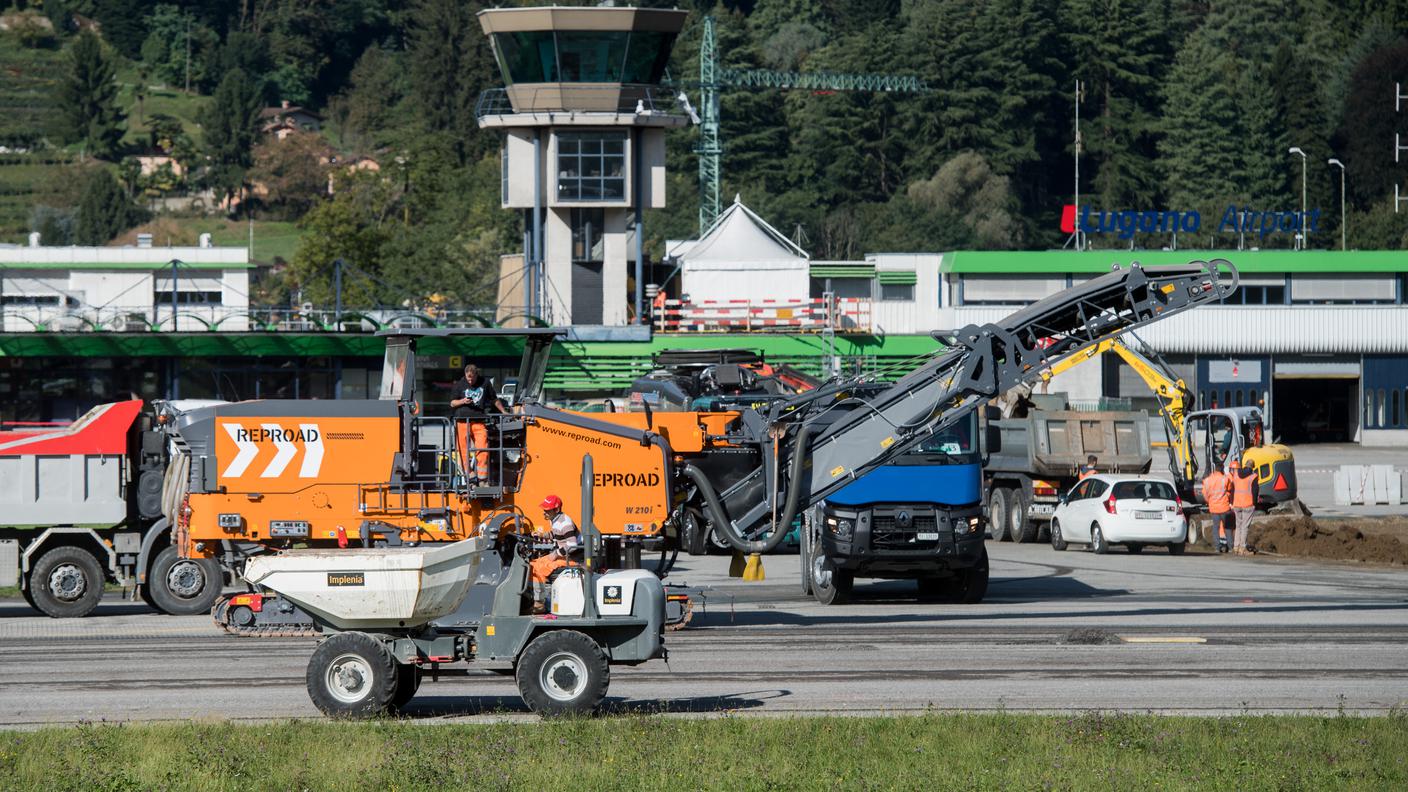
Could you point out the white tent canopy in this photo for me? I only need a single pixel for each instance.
(741, 257)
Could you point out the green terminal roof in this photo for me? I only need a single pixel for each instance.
(579, 366)
(1250, 261)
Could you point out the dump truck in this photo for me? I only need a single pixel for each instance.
(1035, 457)
(81, 505)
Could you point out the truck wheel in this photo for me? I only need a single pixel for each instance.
(804, 555)
(1098, 545)
(351, 675)
(970, 586)
(66, 583)
(830, 586)
(696, 533)
(408, 676)
(1057, 543)
(183, 586)
(997, 514)
(563, 672)
(933, 588)
(1021, 528)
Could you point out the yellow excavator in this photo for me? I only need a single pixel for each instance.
(1205, 439)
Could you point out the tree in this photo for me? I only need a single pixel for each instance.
(231, 128)
(450, 64)
(178, 47)
(124, 24)
(353, 226)
(1122, 53)
(369, 109)
(294, 171)
(105, 210)
(966, 187)
(88, 97)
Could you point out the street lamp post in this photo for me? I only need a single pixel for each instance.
(1344, 221)
(1304, 229)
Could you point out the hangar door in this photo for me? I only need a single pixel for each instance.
(1318, 400)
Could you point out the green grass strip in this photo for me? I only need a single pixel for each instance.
(929, 752)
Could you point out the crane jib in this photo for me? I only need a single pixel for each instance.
(989, 359)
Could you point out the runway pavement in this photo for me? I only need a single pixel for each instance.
(1218, 635)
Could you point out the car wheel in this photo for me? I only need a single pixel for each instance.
(1177, 548)
(1057, 543)
(997, 514)
(1134, 548)
(830, 586)
(184, 586)
(1098, 545)
(1022, 528)
(66, 582)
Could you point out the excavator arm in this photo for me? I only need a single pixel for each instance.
(817, 442)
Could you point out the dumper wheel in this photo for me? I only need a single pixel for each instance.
(66, 583)
(351, 675)
(408, 676)
(183, 586)
(563, 672)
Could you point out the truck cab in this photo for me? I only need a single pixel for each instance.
(919, 517)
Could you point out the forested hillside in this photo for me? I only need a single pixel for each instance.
(1186, 105)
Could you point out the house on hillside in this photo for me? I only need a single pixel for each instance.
(287, 119)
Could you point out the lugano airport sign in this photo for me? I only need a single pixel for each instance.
(1125, 223)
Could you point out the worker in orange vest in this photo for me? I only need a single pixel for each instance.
(1243, 504)
(1088, 469)
(1217, 492)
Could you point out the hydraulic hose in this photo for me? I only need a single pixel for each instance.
(715, 508)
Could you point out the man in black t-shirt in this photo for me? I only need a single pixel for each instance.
(473, 397)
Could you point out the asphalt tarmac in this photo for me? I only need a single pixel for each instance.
(1193, 634)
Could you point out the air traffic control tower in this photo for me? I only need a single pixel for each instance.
(584, 117)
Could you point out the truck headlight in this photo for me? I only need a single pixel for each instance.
(974, 524)
(840, 527)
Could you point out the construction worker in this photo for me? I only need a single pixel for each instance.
(1243, 504)
(1088, 469)
(474, 399)
(558, 528)
(1217, 493)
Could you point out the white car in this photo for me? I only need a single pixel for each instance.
(1107, 509)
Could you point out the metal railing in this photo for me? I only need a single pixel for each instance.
(816, 315)
(221, 318)
(591, 98)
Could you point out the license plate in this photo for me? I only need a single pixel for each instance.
(1148, 515)
(1041, 508)
(928, 536)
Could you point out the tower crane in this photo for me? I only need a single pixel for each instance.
(713, 78)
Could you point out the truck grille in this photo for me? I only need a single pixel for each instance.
(884, 533)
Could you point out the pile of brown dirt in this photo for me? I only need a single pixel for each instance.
(1303, 536)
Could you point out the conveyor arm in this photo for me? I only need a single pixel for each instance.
(808, 455)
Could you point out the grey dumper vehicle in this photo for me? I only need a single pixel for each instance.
(1035, 457)
(390, 615)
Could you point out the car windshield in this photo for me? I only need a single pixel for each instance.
(1151, 490)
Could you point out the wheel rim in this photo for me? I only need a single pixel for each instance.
(1016, 518)
(67, 582)
(349, 678)
(185, 579)
(1055, 532)
(564, 676)
(821, 572)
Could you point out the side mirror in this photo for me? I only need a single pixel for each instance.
(1062, 498)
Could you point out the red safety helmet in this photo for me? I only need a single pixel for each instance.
(550, 502)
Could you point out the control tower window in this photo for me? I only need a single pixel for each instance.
(591, 166)
(583, 56)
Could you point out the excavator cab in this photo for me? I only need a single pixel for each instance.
(1228, 436)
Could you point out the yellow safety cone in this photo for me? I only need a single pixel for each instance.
(753, 570)
(735, 564)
